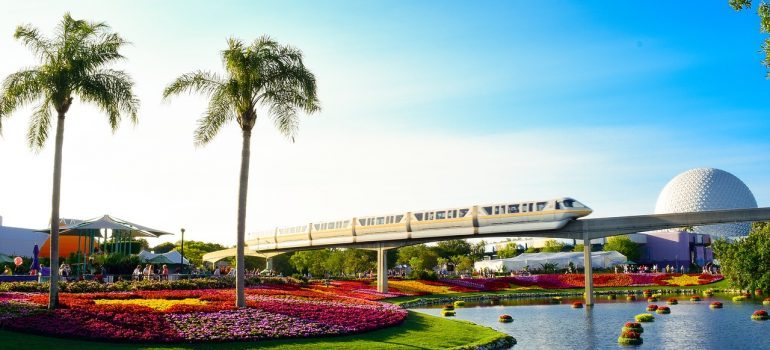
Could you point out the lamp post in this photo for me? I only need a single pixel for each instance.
(181, 259)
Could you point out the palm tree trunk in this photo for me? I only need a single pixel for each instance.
(240, 261)
(53, 296)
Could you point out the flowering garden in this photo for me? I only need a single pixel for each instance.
(196, 315)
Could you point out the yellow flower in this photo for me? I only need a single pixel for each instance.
(157, 304)
(419, 287)
(683, 280)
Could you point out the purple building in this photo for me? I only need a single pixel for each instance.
(676, 248)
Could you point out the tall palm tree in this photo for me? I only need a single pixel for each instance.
(73, 64)
(263, 75)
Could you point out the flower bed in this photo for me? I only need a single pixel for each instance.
(197, 315)
(566, 281)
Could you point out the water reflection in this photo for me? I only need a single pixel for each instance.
(538, 324)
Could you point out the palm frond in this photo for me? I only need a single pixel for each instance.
(110, 90)
(32, 38)
(19, 89)
(285, 119)
(219, 112)
(200, 81)
(39, 125)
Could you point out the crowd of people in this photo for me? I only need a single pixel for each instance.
(149, 272)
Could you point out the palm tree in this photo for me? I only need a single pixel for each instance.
(264, 75)
(72, 65)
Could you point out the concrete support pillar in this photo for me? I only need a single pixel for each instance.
(269, 264)
(588, 271)
(382, 270)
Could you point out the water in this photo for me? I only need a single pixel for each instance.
(691, 325)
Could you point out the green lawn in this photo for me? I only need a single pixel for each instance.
(419, 331)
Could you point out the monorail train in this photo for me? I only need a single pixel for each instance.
(462, 221)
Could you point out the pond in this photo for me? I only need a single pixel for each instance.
(691, 325)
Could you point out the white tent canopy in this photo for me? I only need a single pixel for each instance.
(172, 255)
(599, 260)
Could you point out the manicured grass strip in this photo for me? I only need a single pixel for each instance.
(419, 331)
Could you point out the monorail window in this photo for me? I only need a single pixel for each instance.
(398, 218)
(463, 212)
(380, 220)
(571, 203)
(530, 206)
(450, 214)
(558, 205)
(524, 208)
(418, 216)
(430, 216)
(346, 223)
(440, 215)
(497, 210)
(540, 206)
(488, 210)
(513, 208)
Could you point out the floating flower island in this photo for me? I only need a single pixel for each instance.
(663, 310)
(196, 315)
(629, 338)
(715, 305)
(766, 302)
(633, 327)
(760, 315)
(672, 301)
(505, 318)
(644, 318)
(652, 307)
(577, 305)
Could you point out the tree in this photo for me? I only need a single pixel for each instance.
(579, 247)
(763, 10)
(478, 250)
(745, 263)
(72, 65)
(264, 75)
(164, 247)
(194, 250)
(450, 248)
(553, 246)
(428, 257)
(510, 250)
(623, 245)
(463, 263)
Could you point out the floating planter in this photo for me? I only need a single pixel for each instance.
(758, 292)
(556, 300)
(611, 297)
(577, 305)
(652, 299)
(630, 297)
(505, 319)
(715, 305)
(708, 293)
(629, 338)
(447, 313)
(647, 293)
(459, 303)
(448, 307)
(644, 318)
(652, 307)
(633, 327)
(663, 310)
(760, 315)
(672, 301)
(739, 298)
(766, 302)
(695, 298)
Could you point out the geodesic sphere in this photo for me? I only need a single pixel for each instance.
(704, 189)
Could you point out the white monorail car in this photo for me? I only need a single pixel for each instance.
(462, 221)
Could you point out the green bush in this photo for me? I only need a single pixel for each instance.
(127, 286)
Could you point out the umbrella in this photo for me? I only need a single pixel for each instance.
(35, 261)
(4, 259)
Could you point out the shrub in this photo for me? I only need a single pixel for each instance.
(739, 298)
(633, 327)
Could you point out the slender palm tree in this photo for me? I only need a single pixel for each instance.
(73, 64)
(264, 76)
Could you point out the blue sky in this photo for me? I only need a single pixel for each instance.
(425, 104)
